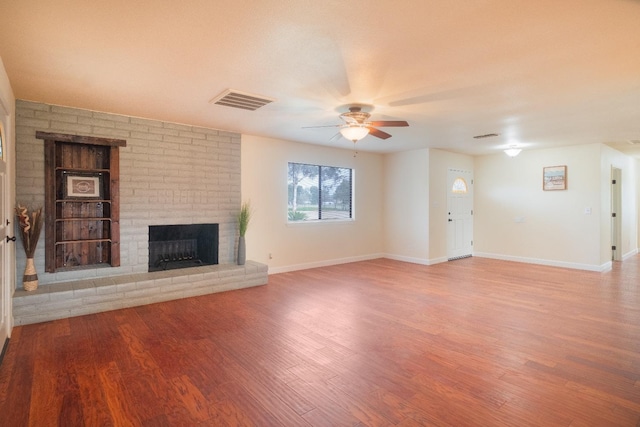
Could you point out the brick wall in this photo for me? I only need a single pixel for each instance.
(169, 174)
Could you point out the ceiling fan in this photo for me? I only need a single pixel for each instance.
(357, 125)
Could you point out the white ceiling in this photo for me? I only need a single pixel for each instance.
(540, 73)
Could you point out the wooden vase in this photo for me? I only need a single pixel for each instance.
(30, 278)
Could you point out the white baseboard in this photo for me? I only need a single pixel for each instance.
(423, 261)
(438, 260)
(552, 263)
(324, 263)
(630, 254)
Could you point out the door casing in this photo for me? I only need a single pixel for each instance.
(616, 214)
(7, 246)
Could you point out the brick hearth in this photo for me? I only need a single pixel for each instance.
(80, 297)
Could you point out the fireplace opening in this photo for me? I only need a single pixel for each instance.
(182, 246)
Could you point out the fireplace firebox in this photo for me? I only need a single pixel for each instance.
(182, 246)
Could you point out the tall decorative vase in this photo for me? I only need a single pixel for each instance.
(242, 251)
(30, 278)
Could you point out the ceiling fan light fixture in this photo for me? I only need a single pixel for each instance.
(354, 132)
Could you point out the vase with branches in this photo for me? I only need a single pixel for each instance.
(244, 216)
(30, 224)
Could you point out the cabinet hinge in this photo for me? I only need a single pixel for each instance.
(613, 248)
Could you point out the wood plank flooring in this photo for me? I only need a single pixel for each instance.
(474, 342)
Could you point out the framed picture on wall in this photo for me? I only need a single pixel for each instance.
(554, 178)
(83, 186)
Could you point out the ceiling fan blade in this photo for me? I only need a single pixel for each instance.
(335, 137)
(389, 123)
(378, 133)
(326, 126)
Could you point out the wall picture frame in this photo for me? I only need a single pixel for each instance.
(79, 186)
(554, 178)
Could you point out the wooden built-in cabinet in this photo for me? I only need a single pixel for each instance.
(82, 225)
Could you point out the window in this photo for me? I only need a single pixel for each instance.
(459, 186)
(319, 192)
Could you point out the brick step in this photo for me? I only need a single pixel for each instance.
(77, 298)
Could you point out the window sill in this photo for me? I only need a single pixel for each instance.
(320, 222)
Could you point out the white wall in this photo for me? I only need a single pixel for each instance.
(515, 219)
(406, 206)
(440, 162)
(295, 246)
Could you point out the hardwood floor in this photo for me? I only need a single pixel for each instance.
(375, 343)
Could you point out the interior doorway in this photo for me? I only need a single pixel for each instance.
(459, 214)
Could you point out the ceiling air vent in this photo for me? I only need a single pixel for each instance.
(237, 99)
(487, 135)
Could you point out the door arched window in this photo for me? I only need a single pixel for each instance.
(459, 186)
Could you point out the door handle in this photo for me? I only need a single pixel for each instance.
(11, 239)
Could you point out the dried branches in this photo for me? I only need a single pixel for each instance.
(30, 224)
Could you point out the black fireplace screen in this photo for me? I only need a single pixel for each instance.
(182, 246)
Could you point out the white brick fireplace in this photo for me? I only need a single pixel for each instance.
(169, 174)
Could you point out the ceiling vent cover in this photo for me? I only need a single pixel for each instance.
(237, 99)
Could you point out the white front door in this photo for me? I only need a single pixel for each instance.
(459, 214)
